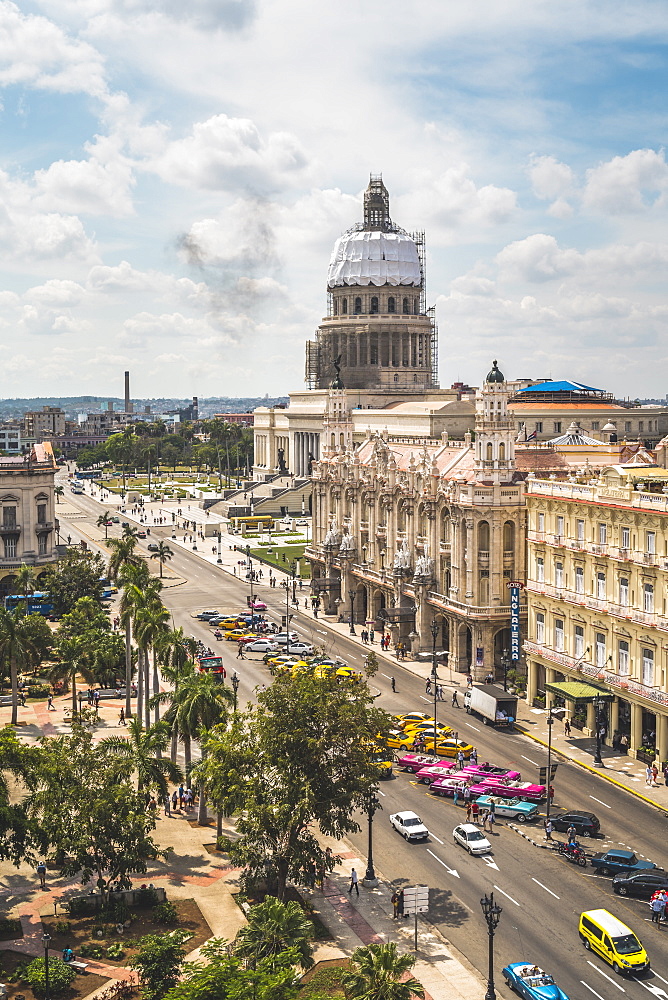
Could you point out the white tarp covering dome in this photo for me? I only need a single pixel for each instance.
(374, 258)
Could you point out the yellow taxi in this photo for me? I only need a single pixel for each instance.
(447, 747)
(323, 670)
(348, 672)
(279, 663)
(397, 739)
(236, 634)
(426, 728)
(413, 717)
(227, 623)
(382, 759)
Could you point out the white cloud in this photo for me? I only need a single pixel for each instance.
(536, 258)
(626, 184)
(100, 185)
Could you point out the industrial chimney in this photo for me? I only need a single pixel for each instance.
(128, 404)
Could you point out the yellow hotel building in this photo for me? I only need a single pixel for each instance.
(597, 570)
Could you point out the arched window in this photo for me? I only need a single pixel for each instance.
(391, 304)
(344, 306)
(358, 305)
(374, 303)
(509, 537)
(336, 307)
(490, 453)
(405, 307)
(416, 306)
(483, 537)
(502, 452)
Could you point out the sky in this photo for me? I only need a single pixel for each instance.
(173, 176)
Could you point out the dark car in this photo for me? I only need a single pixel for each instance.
(613, 862)
(586, 824)
(642, 885)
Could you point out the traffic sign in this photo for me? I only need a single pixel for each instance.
(416, 899)
(543, 774)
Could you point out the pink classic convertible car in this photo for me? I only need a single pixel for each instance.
(416, 761)
(448, 785)
(491, 771)
(445, 769)
(509, 789)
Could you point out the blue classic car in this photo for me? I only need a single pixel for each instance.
(510, 808)
(531, 982)
(613, 862)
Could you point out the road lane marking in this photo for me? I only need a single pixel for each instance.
(381, 793)
(591, 990)
(599, 802)
(660, 977)
(506, 895)
(491, 862)
(386, 675)
(606, 976)
(473, 727)
(428, 700)
(453, 871)
(530, 760)
(433, 835)
(545, 887)
(321, 631)
(656, 990)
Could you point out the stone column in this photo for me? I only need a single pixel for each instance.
(455, 559)
(550, 674)
(590, 728)
(532, 681)
(636, 727)
(614, 718)
(495, 562)
(661, 737)
(470, 559)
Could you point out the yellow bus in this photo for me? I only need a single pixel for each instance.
(264, 521)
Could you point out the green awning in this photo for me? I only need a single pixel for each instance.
(579, 691)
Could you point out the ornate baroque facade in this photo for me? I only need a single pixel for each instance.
(27, 513)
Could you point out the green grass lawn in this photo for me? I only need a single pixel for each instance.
(277, 552)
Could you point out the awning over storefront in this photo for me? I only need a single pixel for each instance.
(320, 583)
(394, 616)
(579, 691)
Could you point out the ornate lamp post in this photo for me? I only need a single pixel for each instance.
(598, 760)
(220, 555)
(46, 938)
(373, 803)
(351, 597)
(492, 912)
(434, 667)
(505, 659)
(550, 723)
(235, 688)
(249, 573)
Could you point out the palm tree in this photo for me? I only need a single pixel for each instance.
(102, 522)
(151, 624)
(77, 656)
(174, 675)
(177, 657)
(376, 973)
(17, 649)
(123, 557)
(129, 531)
(274, 927)
(25, 583)
(202, 703)
(59, 492)
(144, 748)
(163, 553)
(135, 579)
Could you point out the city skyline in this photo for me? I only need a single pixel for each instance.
(174, 181)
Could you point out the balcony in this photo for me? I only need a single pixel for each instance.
(471, 610)
(483, 559)
(44, 526)
(10, 529)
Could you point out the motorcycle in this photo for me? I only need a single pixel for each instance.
(218, 635)
(574, 853)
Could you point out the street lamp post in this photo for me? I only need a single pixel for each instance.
(505, 657)
(370, 879)
(235, 688)
(598, 759)
(550, 723)
(249, 574)
(220, 554)
(46, 938)
(492, 912)
(434, 667)
(351, 596)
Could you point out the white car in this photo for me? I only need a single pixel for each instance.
(282, 639)
(409, 825)
(302, 647)
(261, 646)
(470, 837)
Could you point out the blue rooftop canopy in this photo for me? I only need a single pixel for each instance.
(565, 386)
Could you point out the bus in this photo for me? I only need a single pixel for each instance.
(38, 603)
(252, 521)
(213, 664)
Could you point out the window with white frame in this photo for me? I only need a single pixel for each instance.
(10, 546)
(626, 538)
(623, 661)
(559, 574)
(540, 569)
(580, 527)
(600, 586)
(541, 521)
(602, 534)
(648, 598)
(540, 626)
(559, 635)
(600, 650)
(648, 667)
(650, 542)
(579, 641)
(42, 540)
(560, 526)
(579, 580)
(624, 591)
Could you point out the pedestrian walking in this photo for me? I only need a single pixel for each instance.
(648, 775)
(181, 796)
(469, 680)
(354, 883)
(550, 792)
(485, 820)
(49, 702)
(460, 760)
(475, 809)
(571, 833)
(455, 796)
(473, 756)
(394, 688)
(439, 692)
(121, 717)
(454, 699)
(395, 905)
(548, 828)
(665, 773)
(469, 810)
(168, 805)
(372, 637)
(175, 799)
(427, 687)
(567, 728)
(655, 775)
(41, 874)
(491, 819)
(658, 906)
(240, 651)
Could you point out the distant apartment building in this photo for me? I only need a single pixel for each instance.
(245, 419)
(10, 439)
(27, 513)
(45, 423)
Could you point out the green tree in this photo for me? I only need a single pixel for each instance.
(77, 574)
(144, 748)
(25, 581)
(59, 492)
(150, 626)
(140, 590)
(177, 655)
(83, 644)
(159, 962)
(203, 703)
(223, 975)
(272, 928)
(376, 973)
(104, 833)
(120, 448)
(19, 835)
(61, 977)
(163, 553)
(16, 649)
(123, 557)
(300, 733)
(102, 522)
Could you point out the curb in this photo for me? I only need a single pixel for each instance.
(594, 770)
(544, 847)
